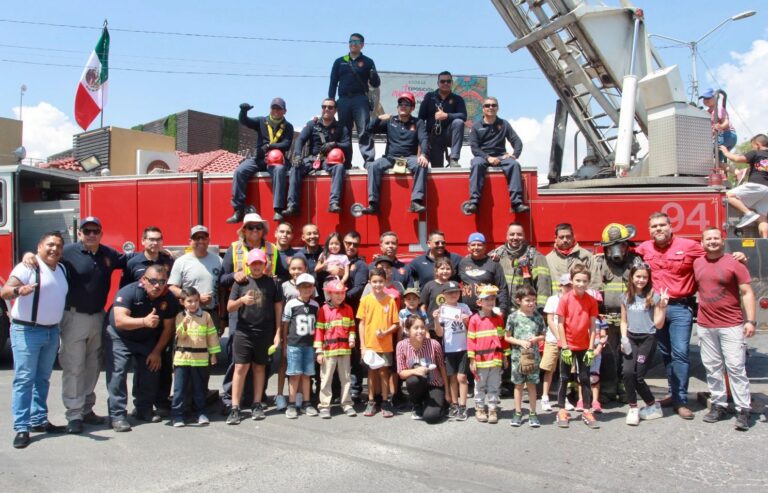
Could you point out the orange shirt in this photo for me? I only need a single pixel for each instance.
(377, 315)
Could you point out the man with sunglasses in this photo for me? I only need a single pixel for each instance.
(422, 268)
(273, 132)
(407, 141)
(352, 74)
(445, 113)
(358, 279)
(324, 138)
(488, 141)
(140, 326)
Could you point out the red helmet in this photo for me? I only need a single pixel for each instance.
(334, 286)
(409, 96)
(336, 156)
(275, 158)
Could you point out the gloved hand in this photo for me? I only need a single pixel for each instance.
(566, 355)
(326, 148)
(246, 106)
(626, 348)
(589, 357)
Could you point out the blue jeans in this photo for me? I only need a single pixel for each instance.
(245, 171)
(355, 109)
(34, 352)
(727, 139)
(674, 341)
(186, 378)
(301, 361)
(118, 354)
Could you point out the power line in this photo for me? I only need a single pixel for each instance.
(254, 38)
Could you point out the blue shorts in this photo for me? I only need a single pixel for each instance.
(301, 361)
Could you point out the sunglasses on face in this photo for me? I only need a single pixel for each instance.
(328, 107)
(352, 243)
(355, 42)
(277, 108)
(489, 105)
(89, 231)
(445, 81)
(257, 227)
(405, 104)
(156, 282)
(199, 238)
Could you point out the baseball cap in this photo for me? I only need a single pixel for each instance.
(565, 279)
(411, 291)
(278, 102)
(383, 258)
(476, 237)
(305, 279)
(486, 291)
(707, 94)
(90, 220)
(257, 255)
(198, 229)
(451, 286)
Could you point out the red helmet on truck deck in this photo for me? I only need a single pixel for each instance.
(275, 158)
(336, 156)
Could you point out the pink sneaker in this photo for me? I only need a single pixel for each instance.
(597, 407)
(580, 405)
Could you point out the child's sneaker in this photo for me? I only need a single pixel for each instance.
(589, 419)
(281, 402)
(257, 411)
(309, 410)
(533, 420)
(545, 405)
(461, 415)
(563, 417)
(493, 418)
(203, 420)
(748, 219)
(417, 413)
(234, 416)
(568, 405)
(291, 412)
(579, 405)
(370, 408)
(178, 423)
(386, 409)
(517, 420)
(480, 414)
(453, 411)
(350, 411)
(633, 416)
(325, 413)
(597, 407)
(653, 411)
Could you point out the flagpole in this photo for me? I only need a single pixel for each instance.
(101, 96)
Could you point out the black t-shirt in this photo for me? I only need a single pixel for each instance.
(135, 299)
(258, 319)
(429, 297)
(301, 318)
(759, 162)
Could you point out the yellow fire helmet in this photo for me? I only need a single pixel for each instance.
(486, 290)
(616, 233)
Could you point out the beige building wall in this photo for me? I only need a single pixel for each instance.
(125, 143)
(10, 139)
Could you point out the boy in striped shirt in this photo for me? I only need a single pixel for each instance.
(334, 341)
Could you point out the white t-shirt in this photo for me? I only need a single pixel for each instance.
(199, 273)
(454, 329)
(551, 307)
(53, 294)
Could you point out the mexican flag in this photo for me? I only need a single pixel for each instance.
(92, 89)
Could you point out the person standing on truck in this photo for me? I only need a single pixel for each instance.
(523, 265)
(407, 144)
(488, 141)
(328, 143)
(724, 285)
(352, 74)
(235, 270)
(722, 130)
(273, 133)
(566, 253)
(40, 293)
(445, 113)
(754, 193)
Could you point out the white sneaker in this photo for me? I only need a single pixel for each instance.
(545, 405)
(633, 416)
(568, 405)
(281, 402)
(652, 412)
(747, 219)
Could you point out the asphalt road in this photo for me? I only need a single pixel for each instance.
(376, 454)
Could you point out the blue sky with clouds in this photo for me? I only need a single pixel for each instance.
(52, 57)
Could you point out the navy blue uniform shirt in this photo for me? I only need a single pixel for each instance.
(422, 268)
(490, 139)
(259, 124)
(403, 138)
(90, 275)
(135, 299)
(343, 75)
(333, 133)
(453, 104)
(137, 266)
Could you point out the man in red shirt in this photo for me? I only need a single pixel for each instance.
(724, 284)
(671, 261)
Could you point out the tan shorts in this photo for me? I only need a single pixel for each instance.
(551, 356)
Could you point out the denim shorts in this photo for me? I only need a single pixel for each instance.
(301, 360)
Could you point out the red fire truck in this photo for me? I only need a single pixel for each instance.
(633, 167)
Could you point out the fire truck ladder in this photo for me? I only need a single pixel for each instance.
(551, 31)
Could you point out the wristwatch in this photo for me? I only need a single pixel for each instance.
(16, 291)
(753, 322)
